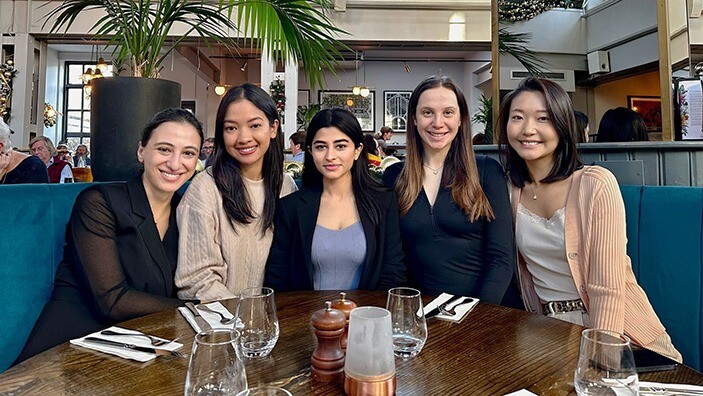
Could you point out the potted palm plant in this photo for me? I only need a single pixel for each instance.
(141, 33)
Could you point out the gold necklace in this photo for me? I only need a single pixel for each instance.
(434, 171)
(534, 192)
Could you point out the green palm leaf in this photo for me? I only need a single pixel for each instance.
(515, 45)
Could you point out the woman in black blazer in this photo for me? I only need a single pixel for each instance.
(122, 240)
(340, 232)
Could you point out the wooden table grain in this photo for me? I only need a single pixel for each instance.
(494, 351)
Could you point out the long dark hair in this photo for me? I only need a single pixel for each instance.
(460, 170)
(363, 183)
(226, 171)
(561, 115)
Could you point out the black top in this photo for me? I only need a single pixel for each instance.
(115, 267)
(446, 253)
(289, 266)
(30, 170)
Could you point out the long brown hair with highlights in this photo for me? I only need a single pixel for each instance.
(460, 171)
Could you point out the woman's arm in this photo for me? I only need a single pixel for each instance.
(94, 237)
(201, 272)
(277, 275)
(498, 237)
(607, 252)
(393, 271)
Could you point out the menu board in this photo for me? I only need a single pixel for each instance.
(690, 105)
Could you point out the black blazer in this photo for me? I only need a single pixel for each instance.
(115, 266)
(289, 266)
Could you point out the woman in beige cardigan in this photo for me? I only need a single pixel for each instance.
(570, 222)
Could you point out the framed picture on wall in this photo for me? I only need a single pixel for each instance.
(649, 107)
(395, 109)
(361, 107)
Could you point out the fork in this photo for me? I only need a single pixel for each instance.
(452, 311)
(155, 341)
(224, 320)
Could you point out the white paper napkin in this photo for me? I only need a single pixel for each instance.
(211, 318)
(124, 352)
(521, 392)
(461, 311)
(672, 389)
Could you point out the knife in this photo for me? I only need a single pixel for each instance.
(202, 323)
(162, 352)
(435, 311)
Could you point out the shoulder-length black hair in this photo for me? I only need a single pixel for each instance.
(622, 125)
(226, 171)
(174, 114)
(363, 183)
(561, 115)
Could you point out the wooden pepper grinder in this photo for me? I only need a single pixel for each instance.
(345, 306)
(328, 358)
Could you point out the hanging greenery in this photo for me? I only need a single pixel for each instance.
(278, 93)
(514, 11)
(7, 74)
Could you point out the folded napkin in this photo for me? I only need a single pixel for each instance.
(669, 389)
(212, 319)
(464, 306)
(124, 352)
(521, 392)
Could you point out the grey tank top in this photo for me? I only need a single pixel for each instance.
(338, 257)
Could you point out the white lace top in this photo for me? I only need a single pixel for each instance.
(542, 244)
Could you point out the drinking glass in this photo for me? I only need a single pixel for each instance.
(215, 366)
(265, 391)
(408, 318)
(369, 363)
(259, 329)
(605, 365)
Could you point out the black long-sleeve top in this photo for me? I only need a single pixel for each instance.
(445, 252)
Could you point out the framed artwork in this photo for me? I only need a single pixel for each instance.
(188, 105)
(395, 109)
(303, 97)
(361, 107)
(649, 107)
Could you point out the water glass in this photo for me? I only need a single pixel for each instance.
(215, 366)
(265, 391)
(408, 318)
(259, 329)
(606, 365)
(370, 345)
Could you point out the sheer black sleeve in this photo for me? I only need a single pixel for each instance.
(94, 233)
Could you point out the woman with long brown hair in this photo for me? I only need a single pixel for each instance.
(455, 213)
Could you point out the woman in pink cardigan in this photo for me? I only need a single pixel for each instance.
(570, 222)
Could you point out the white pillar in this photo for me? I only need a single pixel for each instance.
(267, 70)
(22, 86)
(291, 80)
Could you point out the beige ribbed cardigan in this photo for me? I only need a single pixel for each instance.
(596, 250)
(214, 261)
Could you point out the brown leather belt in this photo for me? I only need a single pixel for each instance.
(557, 307)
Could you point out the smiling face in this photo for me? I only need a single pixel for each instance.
(247, 136)
(438, 119)
(334, 153)
(169, 157)
(530, 131)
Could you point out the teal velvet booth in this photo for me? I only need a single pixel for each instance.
(32, 236)
(665, 243)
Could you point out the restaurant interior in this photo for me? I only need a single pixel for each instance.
(604, 53)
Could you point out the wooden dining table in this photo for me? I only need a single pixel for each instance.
(495, 350)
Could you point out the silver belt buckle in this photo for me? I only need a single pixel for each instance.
(551, 307)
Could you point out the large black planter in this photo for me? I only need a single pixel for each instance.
(119, 109)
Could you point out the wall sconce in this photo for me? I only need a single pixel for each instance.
(220, 89)
(406, 67)
(244, 66)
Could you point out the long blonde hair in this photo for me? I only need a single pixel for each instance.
(460, 171)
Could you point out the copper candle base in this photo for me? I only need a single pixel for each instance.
(372, 386)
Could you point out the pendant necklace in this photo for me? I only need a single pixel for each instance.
(434, 171)
(534, 192)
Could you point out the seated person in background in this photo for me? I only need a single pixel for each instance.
(226, 216)
(455, 213)
(16, 167)
(63, 152)
(297, 144)
(372, 150)
(340, 232)
(621, 125)
(386, 136)
(81, 159)
(58, 169)
(570, 222)
(478, 138)
(582, 127)
(122, 240)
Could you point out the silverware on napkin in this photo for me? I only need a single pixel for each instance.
(156, 351)
(437, 310)
(202, 323)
